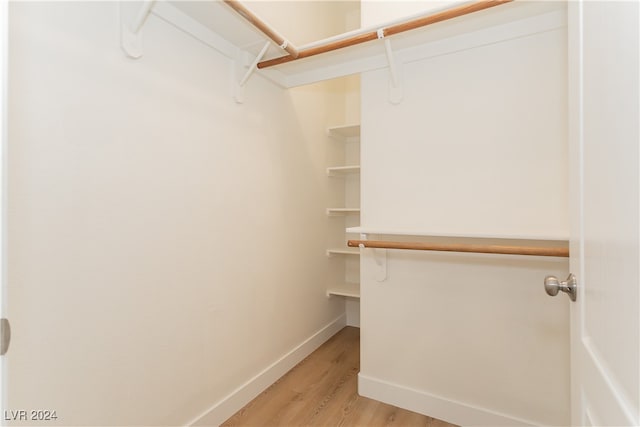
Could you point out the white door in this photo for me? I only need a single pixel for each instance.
(604, 115)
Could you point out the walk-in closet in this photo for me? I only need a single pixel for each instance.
(311, 212)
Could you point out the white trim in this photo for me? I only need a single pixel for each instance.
(4, 142)
(389, 231)
(232, 403)
(434, 406)
(621, 401)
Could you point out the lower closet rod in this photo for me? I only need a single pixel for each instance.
(482, 249)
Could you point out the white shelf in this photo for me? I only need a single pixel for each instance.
(343, 211)
(346, 131)
(424, 233)
(219, 27)
(341, 251)
(342, 170)
(350, 290)
(350, 136)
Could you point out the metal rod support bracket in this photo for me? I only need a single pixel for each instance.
(379, 258)
(396, 94)
(253, 66)
(240, 65)
(131, 28)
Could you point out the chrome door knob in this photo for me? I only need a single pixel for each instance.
(552, 286)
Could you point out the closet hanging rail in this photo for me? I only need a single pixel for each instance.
(263, 27)
(483, 249)
(385, 32)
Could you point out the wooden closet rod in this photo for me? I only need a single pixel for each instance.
(385, 32)
(482, 249)
(263, 27)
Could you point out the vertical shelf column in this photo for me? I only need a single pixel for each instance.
(345, 263)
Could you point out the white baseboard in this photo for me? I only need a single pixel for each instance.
(225, 408)
(434, 406)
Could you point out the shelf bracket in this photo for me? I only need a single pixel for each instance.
(131, 29)
(239, 92)
(396, 93)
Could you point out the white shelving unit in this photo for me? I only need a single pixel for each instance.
(344, 266)
(341, 251)
(349, 290)
(219, 27)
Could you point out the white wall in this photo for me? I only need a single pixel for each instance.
(476, 147)
(165, 243)
(375, 12)
(487, 134)
(309, 20)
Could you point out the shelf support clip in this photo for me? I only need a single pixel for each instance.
(131, 30)
(239, 92)
(395, 71)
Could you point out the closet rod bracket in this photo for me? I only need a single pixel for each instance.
(239, 93)
(379, 258)
(131, 24)
(396, 94)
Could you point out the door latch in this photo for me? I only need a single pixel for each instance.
(5, 335)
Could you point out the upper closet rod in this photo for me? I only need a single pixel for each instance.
(385, 32)
(263, 27)
(482, 249)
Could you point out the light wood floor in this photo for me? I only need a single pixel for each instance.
(322, 391)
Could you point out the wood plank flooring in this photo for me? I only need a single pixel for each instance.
(322, 391)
